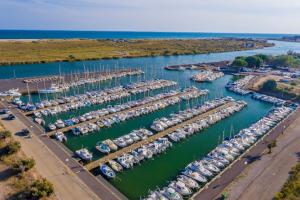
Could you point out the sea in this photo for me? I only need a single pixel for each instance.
(66, 34)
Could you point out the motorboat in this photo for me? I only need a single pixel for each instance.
(103, 148)
(115, 166)
(107, 171)
(61, 137)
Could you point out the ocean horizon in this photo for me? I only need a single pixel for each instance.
(68, 34)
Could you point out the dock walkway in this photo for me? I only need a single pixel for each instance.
(118, 153)
(66, 129)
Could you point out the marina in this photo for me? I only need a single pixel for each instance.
(154, 110)
(155, 137)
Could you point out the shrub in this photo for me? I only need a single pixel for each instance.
(23, 165)
(5, 134)
(41, 188)
(13, 147)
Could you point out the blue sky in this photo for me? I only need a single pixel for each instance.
(259, 16)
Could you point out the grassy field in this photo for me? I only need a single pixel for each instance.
(42, 51)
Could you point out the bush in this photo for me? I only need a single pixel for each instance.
(41, 188)
(23, 165)
(13, 147)
(5, 134)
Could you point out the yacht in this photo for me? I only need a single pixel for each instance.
(194, 175)
(52, 89)
(11, 93)
(171, 194)
(84, 154)
(180, 188)
(188, 182)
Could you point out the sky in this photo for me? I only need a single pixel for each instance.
(234, 16)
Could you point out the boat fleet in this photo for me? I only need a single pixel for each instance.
(119, 113)
(207, 76)
(197, 173)
(67, 103)
(60, 87)
(268, 99)
(147, 151)
(176, 118)
(239, 85)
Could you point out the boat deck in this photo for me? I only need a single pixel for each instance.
(66, 129)
(128, 149)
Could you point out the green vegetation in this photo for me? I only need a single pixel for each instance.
(291, 189)
(23, 165)
(41, 188)
(4, 135)
(257, 61)
(269, 85)
(42, 51)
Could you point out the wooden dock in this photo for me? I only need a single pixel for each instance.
(66, 129)
(134, 146)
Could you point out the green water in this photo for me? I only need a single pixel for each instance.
(154, 173)
(136, 183)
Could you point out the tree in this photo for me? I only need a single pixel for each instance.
(254, 61)
(41, 188)
(263, 57)
(23, 165)
(269, 85)
(271, 145)
(239, 63)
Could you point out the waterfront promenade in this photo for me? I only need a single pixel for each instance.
(87, 185)
(217, 186)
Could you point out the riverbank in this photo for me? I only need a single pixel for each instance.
(44, 51)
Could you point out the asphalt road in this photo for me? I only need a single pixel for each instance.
(217, 186)
(98, 185)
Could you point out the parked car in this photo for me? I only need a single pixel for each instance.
(11, 117)
(4, 111)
